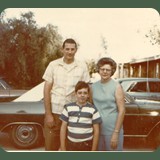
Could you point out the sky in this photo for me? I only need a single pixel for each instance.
(123, 29)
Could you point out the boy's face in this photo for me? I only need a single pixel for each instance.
(82, 95)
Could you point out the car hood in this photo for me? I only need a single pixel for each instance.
(35, 94)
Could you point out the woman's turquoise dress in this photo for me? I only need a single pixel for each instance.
(104, 100)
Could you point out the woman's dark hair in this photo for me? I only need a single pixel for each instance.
(80, 85)
(69, 40)
(107, 60)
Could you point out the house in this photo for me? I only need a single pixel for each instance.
(145, 67)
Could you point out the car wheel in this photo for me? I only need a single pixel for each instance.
(25, 136)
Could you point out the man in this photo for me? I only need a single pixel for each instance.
(60, 77)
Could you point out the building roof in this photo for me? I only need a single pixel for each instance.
(156, 57)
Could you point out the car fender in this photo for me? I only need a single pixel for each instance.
(9, 125)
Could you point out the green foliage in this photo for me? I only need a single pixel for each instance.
(154, 35)
(91, 67)
(26, 49)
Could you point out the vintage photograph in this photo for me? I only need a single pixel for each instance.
(80, 79)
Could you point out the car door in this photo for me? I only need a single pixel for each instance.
(149, 111)
(131, 119)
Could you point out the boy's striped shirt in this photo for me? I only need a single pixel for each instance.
(80, 121)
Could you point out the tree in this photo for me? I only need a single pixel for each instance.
(154, 35)
(3, 28)
(91, 66)
(26, 49)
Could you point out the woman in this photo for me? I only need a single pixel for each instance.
(108, 97)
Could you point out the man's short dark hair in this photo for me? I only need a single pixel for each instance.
(69, 40)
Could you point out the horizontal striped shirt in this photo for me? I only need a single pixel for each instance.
(80, 121)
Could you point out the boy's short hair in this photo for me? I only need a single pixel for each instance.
(80, 85)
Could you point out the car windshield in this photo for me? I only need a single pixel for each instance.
(34, 94)
(129, 98)
(126, 85)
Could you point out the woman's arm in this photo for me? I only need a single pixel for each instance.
(119, 95)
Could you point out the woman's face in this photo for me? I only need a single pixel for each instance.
(105, 72)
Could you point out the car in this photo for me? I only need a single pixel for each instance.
(23, 120)
(142, 88)
(8, 93)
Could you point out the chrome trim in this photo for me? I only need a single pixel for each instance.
(144, 114)
(144, 136)
(16, 123)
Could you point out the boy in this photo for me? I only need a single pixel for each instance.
(80, 122)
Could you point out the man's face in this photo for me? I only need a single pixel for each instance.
(69, 51)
